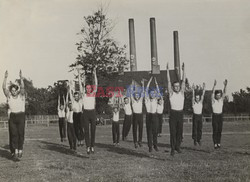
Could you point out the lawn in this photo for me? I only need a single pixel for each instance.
(47, 159)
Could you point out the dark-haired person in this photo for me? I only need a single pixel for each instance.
(16, 102)
(197, 104)
(176, 97)
(128, 117)
(160, 108)
(137, 101)
(217, 120)
(151, 116)
(89, 113)
(69, 116)
(61, 116)
(77, 106)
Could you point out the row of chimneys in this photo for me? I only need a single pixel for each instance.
(155, 68)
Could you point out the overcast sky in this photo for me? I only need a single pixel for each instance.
(39, 36)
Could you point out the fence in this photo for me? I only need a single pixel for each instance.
(47, 120)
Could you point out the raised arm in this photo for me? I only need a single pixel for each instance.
(158, 89)
(132, 87)
(5, 90)
(170, 90)
(70, 91)
(213, 90)
(193, 94)
(203, 91)
(22, 91)
(225, 89)
(96, 80)
(183, 84)
(64, 103)
(58, 103)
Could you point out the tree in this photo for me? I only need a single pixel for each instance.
(241, 100)
(97, 48)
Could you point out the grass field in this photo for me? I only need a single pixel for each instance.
(47, 159)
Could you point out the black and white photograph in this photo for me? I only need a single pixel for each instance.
(124, 90)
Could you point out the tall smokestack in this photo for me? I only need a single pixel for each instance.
(154, 57)
(177, 55)
(132, 49)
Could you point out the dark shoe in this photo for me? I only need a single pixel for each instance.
(195, 143)
(150, 149)
(20, 154)
(199, 142)
(140, 144)
(172, 153)
(156, 148)
(179, 151)
(136, 145)
(61, 139)
(88, 150)
(15, 157)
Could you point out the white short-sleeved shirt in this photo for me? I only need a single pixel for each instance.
(217, 106)
(116, 116)
(61, 113)
(137, 106)
(77, 106)
(177, 101)
(89, 102)
(197, 107)
(160, 107)
(151, 105)
(69, 116)
(16, 105)
(127, 108)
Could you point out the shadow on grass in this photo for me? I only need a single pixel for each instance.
(59, 148)
(126, 151)
(4, 153)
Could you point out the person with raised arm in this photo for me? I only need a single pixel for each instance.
(217, 119)
(151, 117)
(61, 116)
(16, 102)
(89, 113)
(176, 97)
(137, 101)
(77, 105)
(69, 116)
(160, 108)
(197, 104)
(127, 118)
(115, 123)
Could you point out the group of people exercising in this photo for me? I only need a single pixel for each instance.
(78, 110)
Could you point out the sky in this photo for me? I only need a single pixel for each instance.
(39, 36)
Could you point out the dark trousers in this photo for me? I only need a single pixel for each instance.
(71, 135)
(89, 119)
(160, 121)
(126, 125)
(217, 123)
(197, 127)
(116, 132)
(16, 129)
(176, 129)
(12, 150)
(62, 127)
(152, 129)
(78, 126)
(137, 123)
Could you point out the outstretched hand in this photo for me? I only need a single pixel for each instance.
(225, 82)
(20, 74)
(167, 67)
(183, 66)
(6, 74)
(203, 86)
(215, 82)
